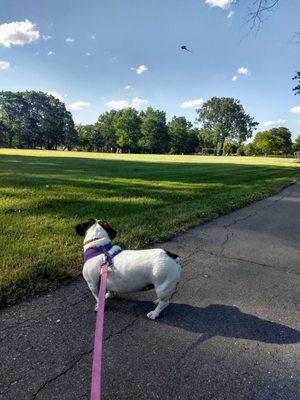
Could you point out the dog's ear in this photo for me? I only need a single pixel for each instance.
(82, 228)
(112, 233)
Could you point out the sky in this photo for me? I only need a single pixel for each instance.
(102, 54)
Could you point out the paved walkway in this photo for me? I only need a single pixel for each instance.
(232, 332)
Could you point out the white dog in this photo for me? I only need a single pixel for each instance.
(131, 270)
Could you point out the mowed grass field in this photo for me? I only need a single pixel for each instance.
(145, 197)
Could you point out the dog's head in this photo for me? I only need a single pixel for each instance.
(101, 228)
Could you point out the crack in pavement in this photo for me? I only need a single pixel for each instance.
(64, 372)
(250, 262)
(131, 323)
(230, 233)
(78, 359)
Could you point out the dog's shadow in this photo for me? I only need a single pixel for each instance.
(218, 320)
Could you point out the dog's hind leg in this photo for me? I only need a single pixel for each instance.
(109, 295)
(163, 300)
(162, 304)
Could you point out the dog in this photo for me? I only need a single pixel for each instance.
(130, 270)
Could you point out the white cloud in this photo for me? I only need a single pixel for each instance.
(136, 103)
(18, 33)
(296, 110)
(51, 53)
(117, 104)
(44, 37)
(56, 95)
(218, 3)
(192, 103)
(240, 71)
(92, 37)
(278, 122)
(243, 71)
(69, 40)
(4, 65)
(127, 87)
(78, 106)
(87, 53)
(141, 69)
(298, 121)
(230, 14)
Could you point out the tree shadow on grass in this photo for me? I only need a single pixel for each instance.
(72, 170)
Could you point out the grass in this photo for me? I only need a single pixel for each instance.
(145, 197)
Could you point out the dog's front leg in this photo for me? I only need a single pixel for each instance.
(94, 289)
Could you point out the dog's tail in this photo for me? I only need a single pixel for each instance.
(174, 256)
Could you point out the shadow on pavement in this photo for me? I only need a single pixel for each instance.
(220, 320)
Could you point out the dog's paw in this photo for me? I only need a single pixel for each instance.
(152, 315)
(156, 302)
(96, 307)
(109, 295)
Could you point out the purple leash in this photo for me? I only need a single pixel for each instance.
(98, 343)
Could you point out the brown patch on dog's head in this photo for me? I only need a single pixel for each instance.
(112, 233)
(81, 229)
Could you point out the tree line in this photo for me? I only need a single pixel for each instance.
(33, 119)
(37, 120)
(220, 120)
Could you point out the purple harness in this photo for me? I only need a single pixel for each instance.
(96, 251)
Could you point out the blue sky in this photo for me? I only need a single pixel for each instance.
(90, 52)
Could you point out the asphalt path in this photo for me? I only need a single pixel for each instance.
(232, 331)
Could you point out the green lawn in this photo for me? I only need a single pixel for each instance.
(145, 197)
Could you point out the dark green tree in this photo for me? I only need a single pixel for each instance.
(85, 134)
(34, 119)
(230, 148)
(11, 106)
(226, 119)
(286, 136)
(183, 139)
(154, 131)
(105, 128)
(71, 136)
(128, 130)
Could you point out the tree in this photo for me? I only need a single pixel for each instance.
(286, 136)
(296, 146)
(274, 141)
(84, 134)
(105, 127)
(10, 114)
(226, 119)
(154, 131)
(71, 136)
(230, 148)
(34, 119)
(250, 149)
(128, 130)
(183, 139)
(258, 10)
